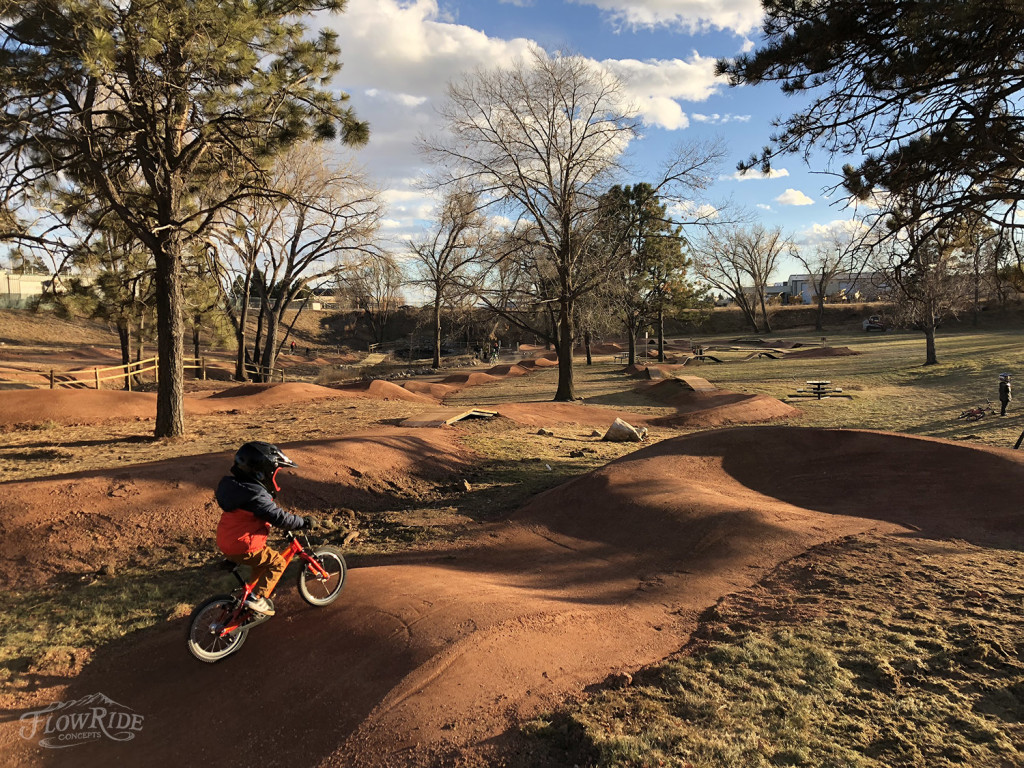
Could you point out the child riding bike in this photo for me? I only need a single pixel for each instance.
(247, 498)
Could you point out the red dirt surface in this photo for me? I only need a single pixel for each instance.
(545, 413)
(435, 656)
(73, 406)
(387, 390)
(714, 409)
(435, 391)
(92, 406)
(507, 370)
(469, 379)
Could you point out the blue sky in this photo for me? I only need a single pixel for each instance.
(399, 54)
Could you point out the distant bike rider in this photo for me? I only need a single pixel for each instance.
(247, 498)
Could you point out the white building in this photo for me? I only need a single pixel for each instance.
(846, 286)
(18, 291)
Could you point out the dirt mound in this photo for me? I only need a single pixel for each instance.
(91, 406)
(248, 397)
(388, 390)
(727, 408)
(546, 413)
(76, 522)
(507, 370)
(384, 390)
(423, 661)
(432, 390)
(539, 362)
(74, 406)
(606, 348)
(656, 372)
(823, 352)
(713, 407)
(469, 379)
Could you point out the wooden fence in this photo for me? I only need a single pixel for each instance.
(82, 379)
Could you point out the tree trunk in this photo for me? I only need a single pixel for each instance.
(124, 335)
(661, 334)
(269, 358)
(819, 320)
(243, 318)
(257, 374)
(170, 410)
(929, 345)
(139, 347)
(764, 314)
(566, 386)
(750, 314)
(436, 317)
(631, 344)
(586, 345)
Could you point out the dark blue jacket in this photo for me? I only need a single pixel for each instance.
(235, 493)
(249, 512)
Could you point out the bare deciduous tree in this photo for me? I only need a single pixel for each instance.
(842, 253)
(925, 265)
(544, 138)
(739, 261)
(445, 261)
(313, 215)
(372, 283)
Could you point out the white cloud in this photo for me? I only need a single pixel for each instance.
(717, 119)
(837, 229)
(764, 207)
(754, 175)
(399, 56)
(793, 197)
(740, 16)
(405, 99)
(691, 210)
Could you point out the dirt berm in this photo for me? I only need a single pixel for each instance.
(434, 657)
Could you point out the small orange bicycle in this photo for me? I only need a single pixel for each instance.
(219, 625)
(974, 414)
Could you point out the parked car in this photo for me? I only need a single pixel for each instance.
(875, 323)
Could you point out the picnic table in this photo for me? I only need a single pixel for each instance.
(819, 389)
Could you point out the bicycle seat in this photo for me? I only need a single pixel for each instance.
(225, 565)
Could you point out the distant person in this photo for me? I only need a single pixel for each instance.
(247, 498)
(1005, 396)
(293, 347)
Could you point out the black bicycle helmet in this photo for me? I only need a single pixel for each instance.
(260, 461)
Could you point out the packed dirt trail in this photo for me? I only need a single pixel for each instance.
(436, 656)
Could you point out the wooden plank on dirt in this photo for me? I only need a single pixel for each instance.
(447, 416)
(697, 384)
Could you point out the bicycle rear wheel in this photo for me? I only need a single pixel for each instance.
(204, 639)
(316, 590)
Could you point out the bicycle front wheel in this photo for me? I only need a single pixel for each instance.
(205, 640)
(318, 590)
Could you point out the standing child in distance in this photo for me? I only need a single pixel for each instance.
(247, 498)
(1004, 392)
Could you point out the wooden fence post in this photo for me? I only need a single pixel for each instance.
(202, 364)
(51, 378)
(156, 370)
(96, 373)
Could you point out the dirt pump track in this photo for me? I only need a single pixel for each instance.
(435, 656)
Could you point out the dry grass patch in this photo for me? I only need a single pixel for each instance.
(873, 652)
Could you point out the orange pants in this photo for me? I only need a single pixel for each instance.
(267, 568)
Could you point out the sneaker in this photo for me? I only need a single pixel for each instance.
(260, 605)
